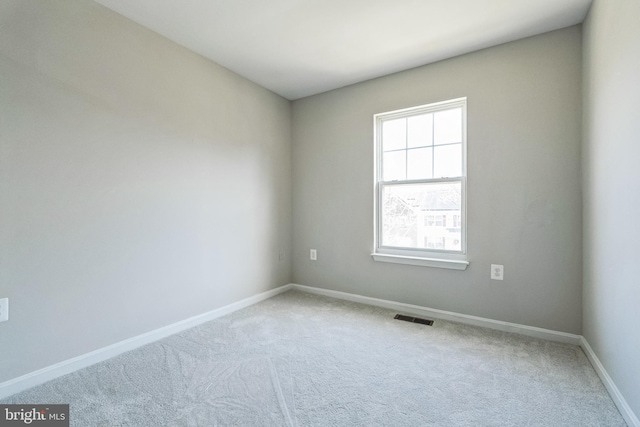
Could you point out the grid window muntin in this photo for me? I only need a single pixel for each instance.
(382, 147)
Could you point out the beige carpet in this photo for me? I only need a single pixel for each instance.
(305, 360)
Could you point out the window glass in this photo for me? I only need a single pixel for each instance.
(419, 163)
(447, 126)
(421, 179)
(447, 161)
(420, 131)
(394, 134)
(395, 166)
(434, 205)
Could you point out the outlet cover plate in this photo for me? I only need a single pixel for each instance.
(4, 309)
(497, 272)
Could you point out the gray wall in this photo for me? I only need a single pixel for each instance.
(140, 184)
(612, 191)
(524, 190)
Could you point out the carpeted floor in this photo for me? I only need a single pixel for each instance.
(304, 360)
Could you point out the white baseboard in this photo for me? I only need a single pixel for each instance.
(40, 376)
(43, 375)
(531, 331)
(624, 408)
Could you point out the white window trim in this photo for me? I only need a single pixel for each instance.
(424, 258)
(450, 264)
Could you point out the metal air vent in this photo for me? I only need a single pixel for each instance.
(414, 319)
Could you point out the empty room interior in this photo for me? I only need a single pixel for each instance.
(213, 212)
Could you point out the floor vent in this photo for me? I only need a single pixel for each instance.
(414, 319)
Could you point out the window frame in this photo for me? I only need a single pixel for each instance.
(456, 260)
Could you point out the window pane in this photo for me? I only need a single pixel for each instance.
(394, 134)
(420, 130)
(421, 216)
(400, 207)
(447, 161)
(419, 165)
(394, 166)
(447, 127)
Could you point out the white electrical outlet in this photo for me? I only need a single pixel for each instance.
(497, 272)
(4, 309)
(313, 255)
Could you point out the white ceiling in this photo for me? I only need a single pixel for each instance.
(298, 48)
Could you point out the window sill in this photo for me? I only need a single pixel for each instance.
(451, 264)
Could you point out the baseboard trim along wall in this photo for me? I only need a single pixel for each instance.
(43, 375)
(49, 373)
(531, 331)
(624, 408)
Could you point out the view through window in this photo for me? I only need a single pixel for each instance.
(420, 172)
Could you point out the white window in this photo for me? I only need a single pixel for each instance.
(420, 179)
